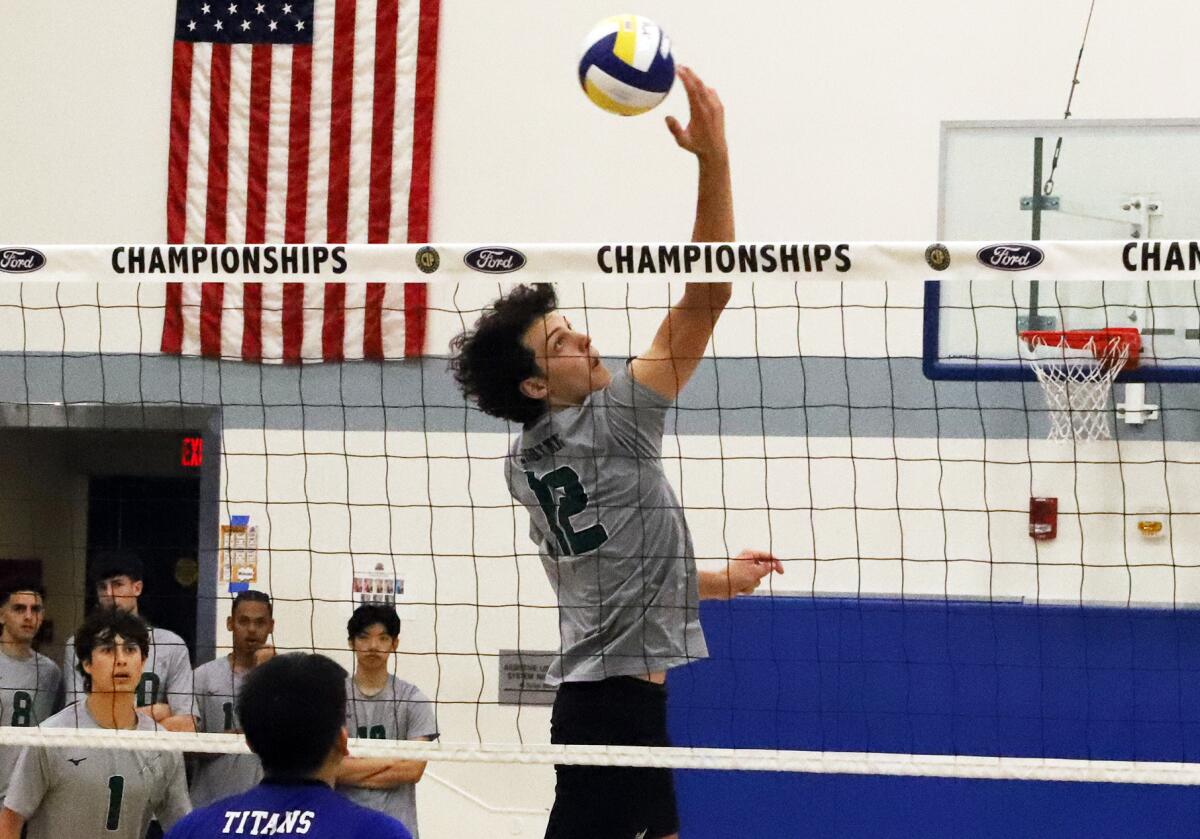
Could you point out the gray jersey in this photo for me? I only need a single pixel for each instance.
(84, 792)
(398, 712)
(30, 692)
(219, 776)
(611, 533)
(167, 676)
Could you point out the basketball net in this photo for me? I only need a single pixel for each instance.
(1077, 388)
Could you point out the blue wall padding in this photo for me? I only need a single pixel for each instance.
(937, 677)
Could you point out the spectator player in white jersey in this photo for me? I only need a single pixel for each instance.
(293, 714)
(218, 685)
(165, 692)
(381, 706)
(611, 532)
(30, 684)
(82, 792)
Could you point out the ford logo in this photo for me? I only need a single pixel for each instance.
(1011, 257)
(20, 260)
(495, 260)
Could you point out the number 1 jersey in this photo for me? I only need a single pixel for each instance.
(81, 792)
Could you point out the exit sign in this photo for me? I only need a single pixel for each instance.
(191, 452)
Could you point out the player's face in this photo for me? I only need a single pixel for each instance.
(21, 617)
(570, 365)
(115, 666)
(372, 647)
(251, 625)
(119, 591)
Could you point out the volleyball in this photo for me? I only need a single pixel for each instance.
(626, 66)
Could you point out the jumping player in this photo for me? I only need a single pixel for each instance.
(611, 532)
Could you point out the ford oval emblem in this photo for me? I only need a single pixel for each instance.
(21, 260)
(1014, 256)
(495, 260)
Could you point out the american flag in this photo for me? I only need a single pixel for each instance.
(304, 121)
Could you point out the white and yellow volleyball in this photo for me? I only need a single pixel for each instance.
(626, 66)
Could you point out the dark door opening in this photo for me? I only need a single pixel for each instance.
(157, 518)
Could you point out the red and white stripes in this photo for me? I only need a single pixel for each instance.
(328, 142)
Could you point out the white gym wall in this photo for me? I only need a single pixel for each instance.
(833, 115)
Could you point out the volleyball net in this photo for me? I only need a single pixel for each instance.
(869, 413)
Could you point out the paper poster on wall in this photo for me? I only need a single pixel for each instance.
(376, 585)
(239, 551)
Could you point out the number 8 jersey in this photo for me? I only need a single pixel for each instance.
(31, 690)
(611, 534)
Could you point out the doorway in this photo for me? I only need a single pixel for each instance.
(156, 518)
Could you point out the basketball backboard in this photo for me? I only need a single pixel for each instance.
(1114, 179)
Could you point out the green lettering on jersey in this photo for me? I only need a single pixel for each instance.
(116, 791)
(572, 501)
(147, 691)
(22, 714)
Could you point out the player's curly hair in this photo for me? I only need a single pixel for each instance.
(489, 362)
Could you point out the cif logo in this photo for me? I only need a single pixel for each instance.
(20, 260)
(495, 260)
(428, 259)
(1011, 257)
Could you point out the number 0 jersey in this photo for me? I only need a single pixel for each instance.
(611, 534)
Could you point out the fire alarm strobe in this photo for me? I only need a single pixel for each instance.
(1043, 518)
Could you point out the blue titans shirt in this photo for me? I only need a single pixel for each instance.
(288, 808)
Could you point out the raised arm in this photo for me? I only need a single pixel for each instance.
(683, 336)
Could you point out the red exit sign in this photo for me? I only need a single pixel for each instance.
(191, 452)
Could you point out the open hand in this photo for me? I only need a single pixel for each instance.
(705, 132)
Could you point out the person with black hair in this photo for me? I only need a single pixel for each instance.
(381, 706)
(293, 715)
(81, 792)
(615, 545)
(218, 685)
(165, 692)
(31, 686)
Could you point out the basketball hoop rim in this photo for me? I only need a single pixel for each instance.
(1104, 344)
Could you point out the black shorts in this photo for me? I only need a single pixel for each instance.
(610, 802)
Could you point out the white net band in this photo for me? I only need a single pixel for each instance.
(764, 760)
(1077, 390)
(617, 262)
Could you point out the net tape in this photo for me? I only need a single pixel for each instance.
(762, 760)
